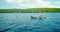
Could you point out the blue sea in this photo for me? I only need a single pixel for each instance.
(22, 22)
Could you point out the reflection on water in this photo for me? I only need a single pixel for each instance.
(22, 22)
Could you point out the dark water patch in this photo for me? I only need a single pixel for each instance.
(56, 30)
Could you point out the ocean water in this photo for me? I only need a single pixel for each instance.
(22, 22)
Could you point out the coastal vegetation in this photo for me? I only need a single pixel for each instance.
(30, 10)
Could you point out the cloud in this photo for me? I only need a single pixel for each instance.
(11, 1)
(34, 3)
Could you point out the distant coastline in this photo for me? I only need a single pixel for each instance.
(30, 10)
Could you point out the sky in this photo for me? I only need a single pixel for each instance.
(29, 3)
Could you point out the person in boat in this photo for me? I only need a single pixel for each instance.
(38, 16)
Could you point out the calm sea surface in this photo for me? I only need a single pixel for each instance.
(22, 22)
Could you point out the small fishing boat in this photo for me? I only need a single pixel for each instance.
(40, 16)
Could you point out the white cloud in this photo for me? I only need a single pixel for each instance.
(33, 3)
(10, 1)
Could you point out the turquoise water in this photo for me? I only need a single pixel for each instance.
(22, 22)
